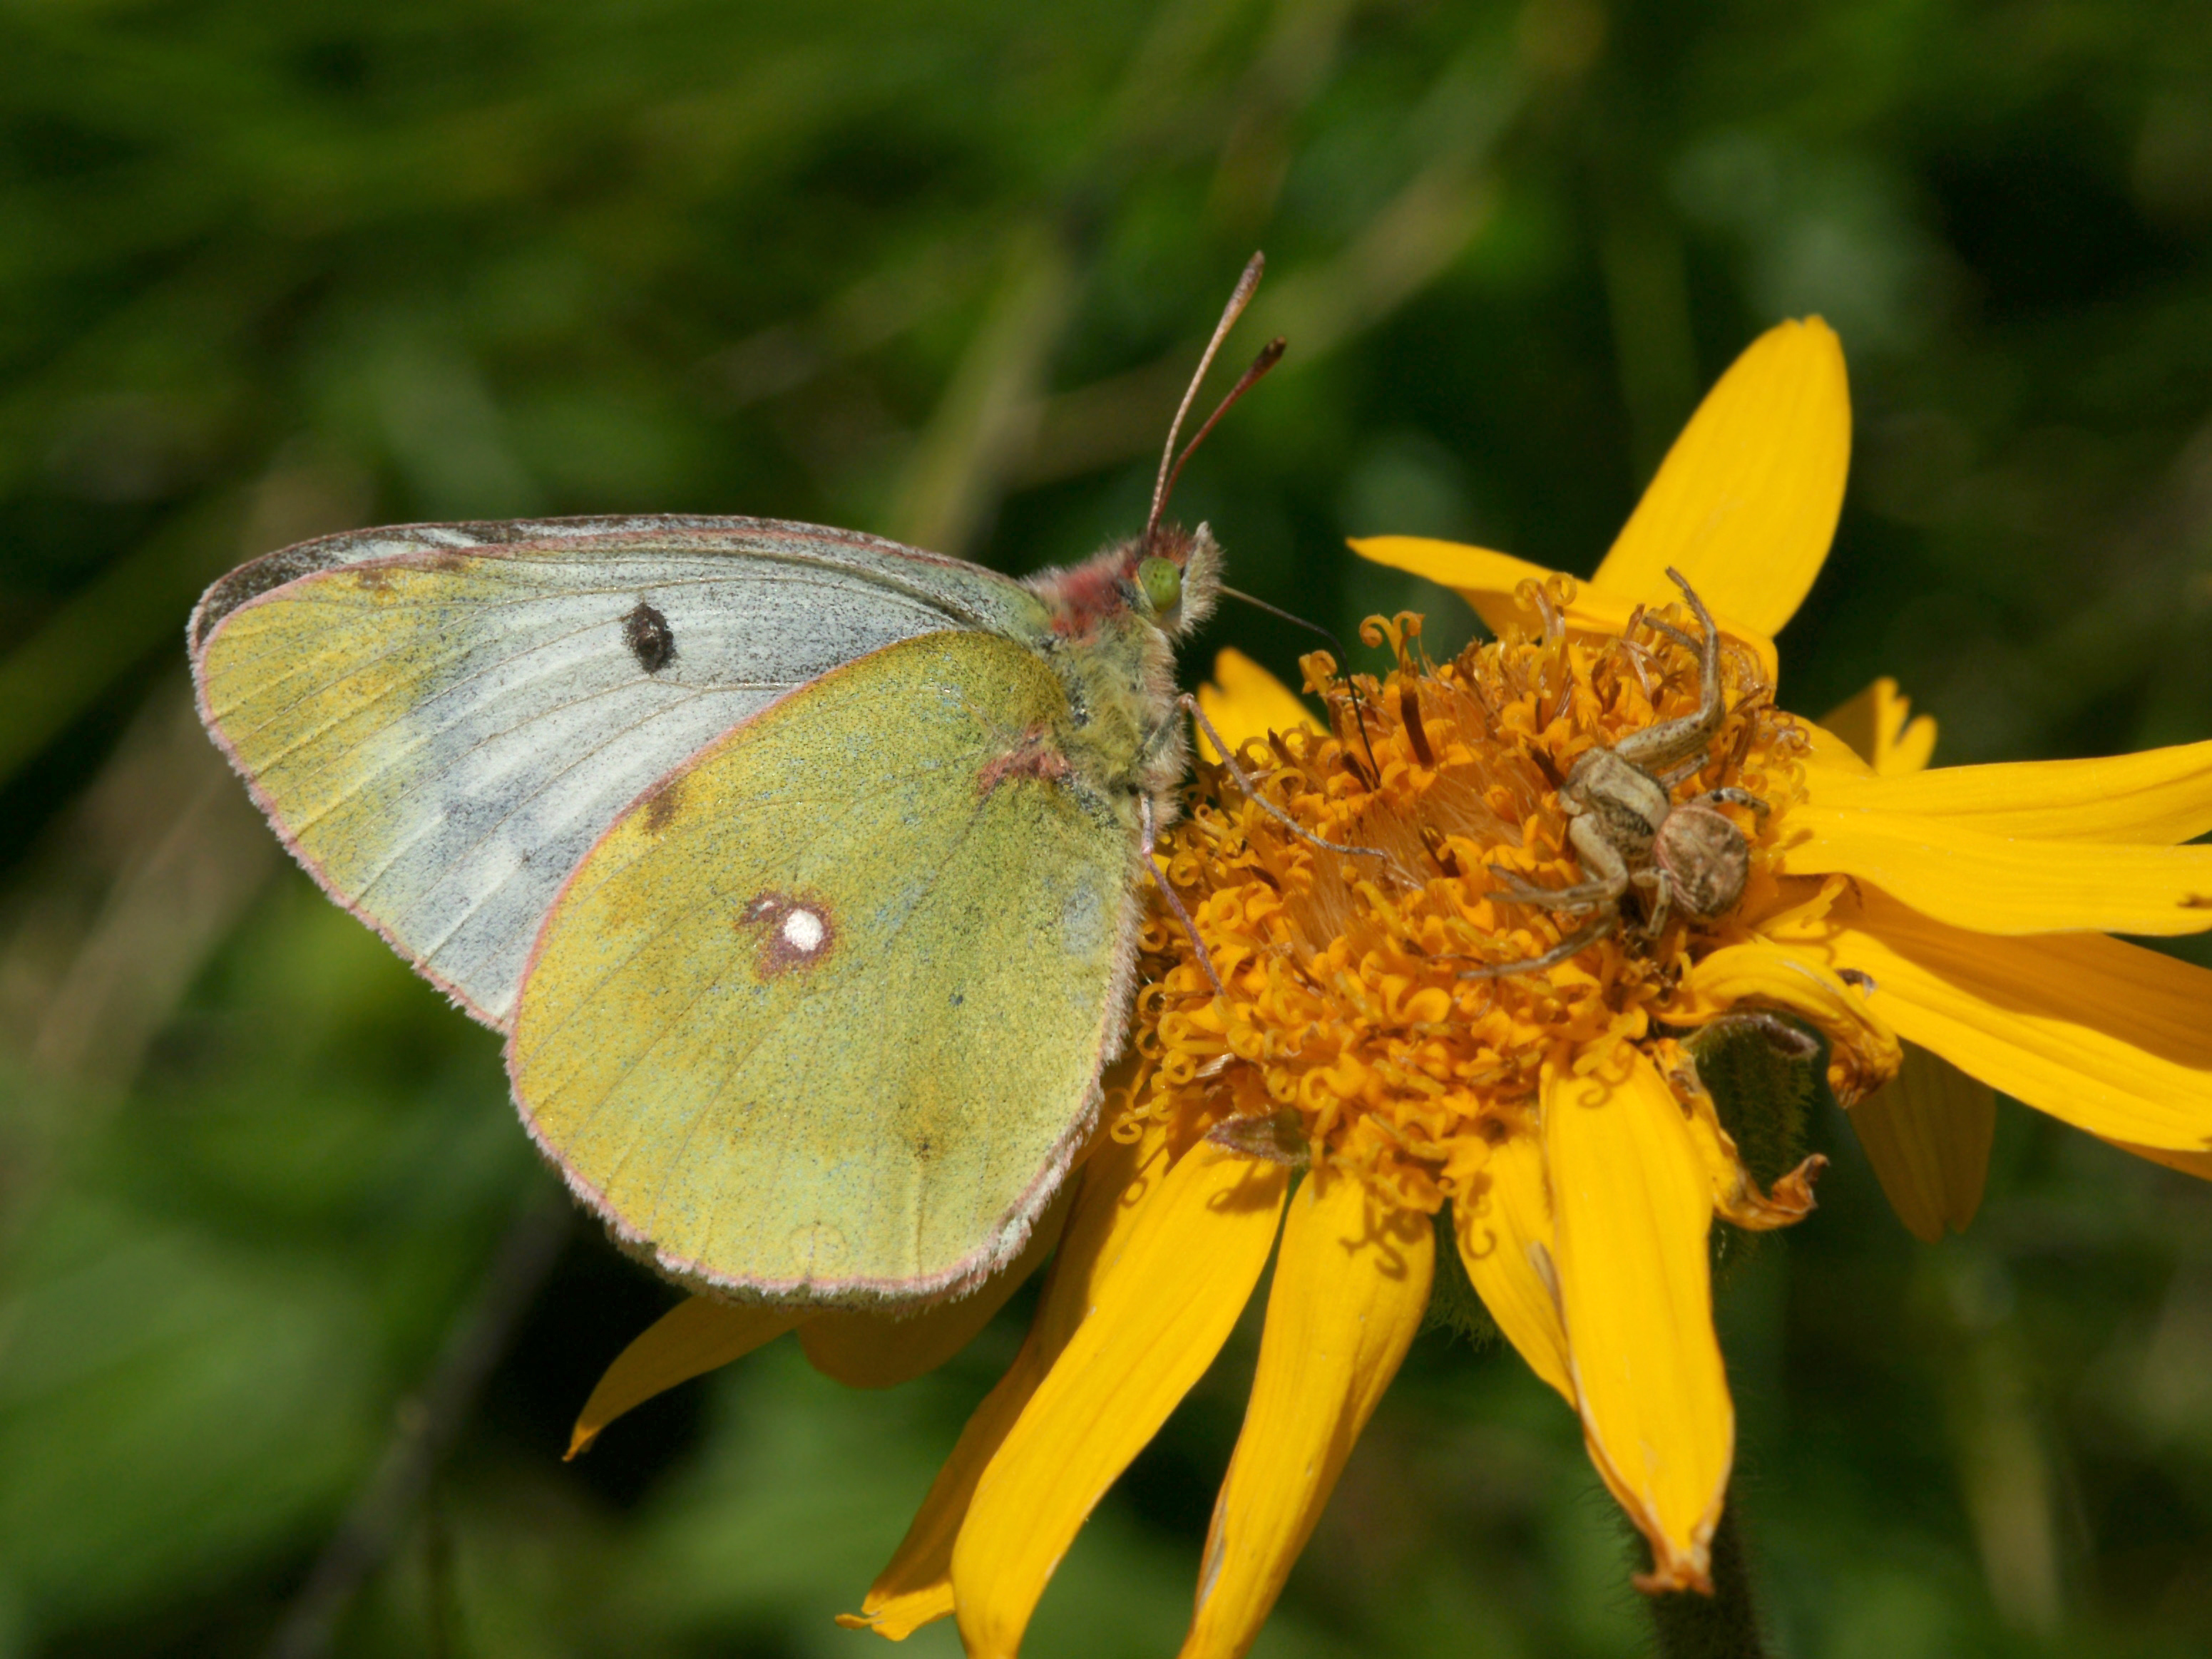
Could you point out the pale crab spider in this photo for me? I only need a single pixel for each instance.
(1627, 830)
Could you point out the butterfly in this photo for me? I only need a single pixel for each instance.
(800, 870)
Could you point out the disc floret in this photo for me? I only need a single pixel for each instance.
(1392, 1013)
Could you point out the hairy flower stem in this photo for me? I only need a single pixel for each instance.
(1722, 1625)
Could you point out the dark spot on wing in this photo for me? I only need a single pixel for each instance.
(660, 806)
(795, 931)
(649, 637)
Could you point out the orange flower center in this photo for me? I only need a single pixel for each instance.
(1365, 1021)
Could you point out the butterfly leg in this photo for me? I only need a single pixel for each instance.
(1252, 793)
(1189, 927)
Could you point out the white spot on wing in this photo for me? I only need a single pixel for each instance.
(803, 931)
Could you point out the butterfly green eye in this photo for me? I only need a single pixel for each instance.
(1162, 581)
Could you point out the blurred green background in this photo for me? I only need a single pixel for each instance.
(267, 1224)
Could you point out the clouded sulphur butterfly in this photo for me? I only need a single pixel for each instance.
(799, 869)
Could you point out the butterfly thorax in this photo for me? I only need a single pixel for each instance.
(1114, 649)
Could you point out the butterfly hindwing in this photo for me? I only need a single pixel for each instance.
(821, 1016)
(442, 720)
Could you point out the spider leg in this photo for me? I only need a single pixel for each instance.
(1551, 958)
(1583, 896)
(1662, 886)
(1688, 768)
(1668, 742)
(1596, 853)
(1738, 798)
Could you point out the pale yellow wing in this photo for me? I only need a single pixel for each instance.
(822, 1019)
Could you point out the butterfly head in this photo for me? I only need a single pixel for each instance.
(1174, 579)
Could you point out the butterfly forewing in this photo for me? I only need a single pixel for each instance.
(442, 720)
(822, 1017)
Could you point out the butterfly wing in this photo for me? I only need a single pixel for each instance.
(822, 1017)
(441, 719)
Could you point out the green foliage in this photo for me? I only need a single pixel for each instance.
(938, 272)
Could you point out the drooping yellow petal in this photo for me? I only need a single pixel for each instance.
(1158, 1315)
(1862, 1049)
(1737, 1194)
(2161, 797)
(1244, 702)
(1350, 1289)
(1116, 1181)
(2195, 1164)
(1927, 1136)
(694, 1337)
(879, 1350)
(1506, 1243)
(1877, 724)
(2004, 884)
(2106, 1035)
(1632, 1205)
(1490, 583)
(1745, 504)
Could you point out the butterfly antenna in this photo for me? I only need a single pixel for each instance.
(1270, 355)
(1351, 680)
(1239, 298)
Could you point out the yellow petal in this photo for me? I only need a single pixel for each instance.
(1506, 1243)
(1862, 1049)
(1490, 583)
(1244, 702)
(1927, 1136)
(1877, 726)
(1487, 581)
(1350, 1292)
(1115, 1182)
(1745, 504)
(691, 1339)
(1632, 1207)
(1159, 1313)
(2004, 884)
(2197, 1164)
(1830, 753)
(2106, 1035)
(880, 1350)
(2161, 797)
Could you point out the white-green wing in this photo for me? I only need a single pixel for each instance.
(441, 721)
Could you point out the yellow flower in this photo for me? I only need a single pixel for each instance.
(1963, 910)
(1377, 1022)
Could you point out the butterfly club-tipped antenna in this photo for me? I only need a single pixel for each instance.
(1171, 464)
